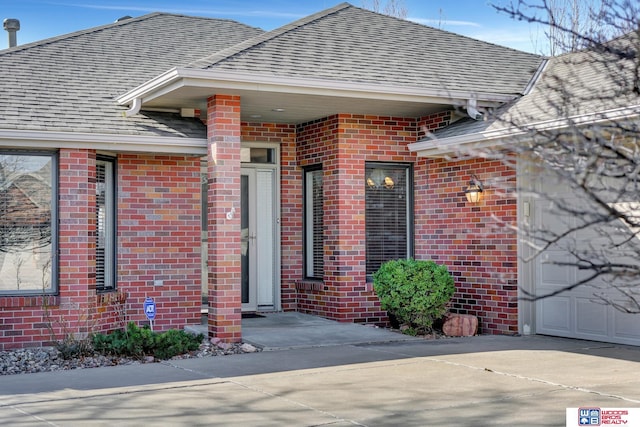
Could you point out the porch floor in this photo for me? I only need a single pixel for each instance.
(280, 331)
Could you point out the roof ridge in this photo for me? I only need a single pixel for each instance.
(449, 32)
(221, 55)
(74, 34)
(103, 27)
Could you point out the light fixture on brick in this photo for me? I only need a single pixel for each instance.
(474, 190)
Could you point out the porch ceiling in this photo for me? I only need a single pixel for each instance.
(279, 107)
(277, 99)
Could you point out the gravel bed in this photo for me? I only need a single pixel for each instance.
(48, 359)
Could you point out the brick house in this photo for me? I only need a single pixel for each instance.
(191, 159)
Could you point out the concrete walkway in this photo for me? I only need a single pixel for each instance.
(477, 381)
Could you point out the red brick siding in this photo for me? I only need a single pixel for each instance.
(23, 320)
(484, 266)
(223, 168)
(159, 237)
(343, 144)
(159, 230)
(471, 239)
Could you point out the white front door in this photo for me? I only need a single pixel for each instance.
(259, 231)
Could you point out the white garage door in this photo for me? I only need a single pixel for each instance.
(578, 312)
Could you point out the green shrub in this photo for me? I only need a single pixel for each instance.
(415, 292)
(174, 342)
(139, 342)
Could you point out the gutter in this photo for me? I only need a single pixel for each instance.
(189, 77)
(109, 142)
(497, 138)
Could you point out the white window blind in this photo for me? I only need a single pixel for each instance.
(314, 242)
(388, 210)
(105, 225)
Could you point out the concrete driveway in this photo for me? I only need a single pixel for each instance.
(477, 381)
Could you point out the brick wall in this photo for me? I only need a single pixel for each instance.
(159, 230)
(159, 237)
(32, 321)
(223, 170)
(342, 144)
(471, 239)
(477, 249)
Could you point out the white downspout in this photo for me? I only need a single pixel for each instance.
(472, 109)
(134, 109)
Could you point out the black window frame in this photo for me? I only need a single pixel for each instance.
(407, 170)
(53, 288)
(311, 275)
(110, 262)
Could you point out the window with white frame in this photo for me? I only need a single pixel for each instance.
(313, 236)
(105, 224)
(388, 213)
(28, 194)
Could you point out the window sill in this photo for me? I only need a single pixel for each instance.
(310, 285)
(29, 301)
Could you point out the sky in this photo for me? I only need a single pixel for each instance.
(40, 19)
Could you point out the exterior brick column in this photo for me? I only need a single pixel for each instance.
(223, 168)
(77, 259)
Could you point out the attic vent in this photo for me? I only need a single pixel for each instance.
(124, 18)
(12, 26)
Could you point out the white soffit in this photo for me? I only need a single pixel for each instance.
(186, 87)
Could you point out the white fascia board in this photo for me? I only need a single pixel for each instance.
(440, 147)
(182, 77)
(139, 92)
(115, 142)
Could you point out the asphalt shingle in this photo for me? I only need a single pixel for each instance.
(572, 85)
(70, 83)
(351, 44)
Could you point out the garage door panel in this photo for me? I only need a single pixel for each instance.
(553, 221)
(626, 327)
(591, 317)
(552, 275)
(578, 312)
(555, 313)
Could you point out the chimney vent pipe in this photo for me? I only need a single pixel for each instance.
(12, 26)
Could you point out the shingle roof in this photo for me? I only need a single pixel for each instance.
(348, 43)
(576, 84)
(70, 83)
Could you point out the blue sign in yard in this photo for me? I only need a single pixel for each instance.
(150, 308)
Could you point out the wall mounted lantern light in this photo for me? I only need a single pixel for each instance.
(474, 190)
(378, 178)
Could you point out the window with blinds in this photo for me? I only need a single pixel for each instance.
(105, 225)
(314, 201)
(388, 213)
